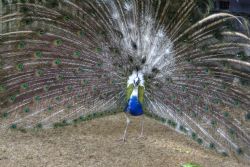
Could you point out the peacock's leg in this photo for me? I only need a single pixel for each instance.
(125, 131)
(142, 128)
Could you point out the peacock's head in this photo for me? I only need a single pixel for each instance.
(137, 81)
(136, 78)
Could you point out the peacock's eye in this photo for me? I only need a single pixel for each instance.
(143, 61)
(134, 46)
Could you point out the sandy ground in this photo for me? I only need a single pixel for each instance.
(94, 144)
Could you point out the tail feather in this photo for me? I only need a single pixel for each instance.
(64, 61)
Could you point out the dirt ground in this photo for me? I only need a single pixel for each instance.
(93, 144)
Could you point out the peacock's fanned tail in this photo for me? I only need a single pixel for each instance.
(69, 60)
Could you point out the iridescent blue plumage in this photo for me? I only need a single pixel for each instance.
(134, 107)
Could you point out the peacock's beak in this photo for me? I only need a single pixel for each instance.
(138, 82)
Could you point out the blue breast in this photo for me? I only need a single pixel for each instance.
(134, 107)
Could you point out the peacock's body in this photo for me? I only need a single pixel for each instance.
(135, 94)
(64, 61)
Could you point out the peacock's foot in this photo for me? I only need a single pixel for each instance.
(121, 140)
(141, 137)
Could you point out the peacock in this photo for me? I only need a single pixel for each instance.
(179, 62)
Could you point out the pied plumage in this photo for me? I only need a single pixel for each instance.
(67, 61)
